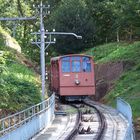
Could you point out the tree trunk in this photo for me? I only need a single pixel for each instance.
(19, 7)
(130, 35)
(106, 39)
(25, 29)
(118, 37)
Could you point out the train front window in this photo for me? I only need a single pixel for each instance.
(65, 66)
(76, 66)
(86, 65)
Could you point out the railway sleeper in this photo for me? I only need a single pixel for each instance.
(83, 130)
(87, 119)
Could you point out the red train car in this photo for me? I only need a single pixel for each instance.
(72, 76)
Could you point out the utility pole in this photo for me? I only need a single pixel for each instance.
(42, 52)
(41, 43)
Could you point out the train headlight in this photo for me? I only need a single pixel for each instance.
(77, 82)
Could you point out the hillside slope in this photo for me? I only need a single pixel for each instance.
(128, 84)
(122, 60)
(19, 84)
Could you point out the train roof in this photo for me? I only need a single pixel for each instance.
(59, 57)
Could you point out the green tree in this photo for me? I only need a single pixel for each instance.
(98, 21)
(72, 16)
(127, 18)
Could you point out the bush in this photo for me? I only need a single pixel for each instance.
(19, 86)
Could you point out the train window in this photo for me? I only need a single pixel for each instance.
(85, 58)
(86, 65)
(65, 66)
(76, 66)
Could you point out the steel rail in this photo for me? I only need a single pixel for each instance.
(103, 124)
(77, 124)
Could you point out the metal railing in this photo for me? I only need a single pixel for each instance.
(125, 109)
(14, 121)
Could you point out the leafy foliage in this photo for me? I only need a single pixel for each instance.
(72, 16)
(19, 87)
(98, 21)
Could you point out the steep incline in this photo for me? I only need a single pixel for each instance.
(19, 83)
(118, 74)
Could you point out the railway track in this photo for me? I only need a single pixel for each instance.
(90, 124)
(102, 122)
(76, 126)
(86, 121)
(106, 124)
(116, 124)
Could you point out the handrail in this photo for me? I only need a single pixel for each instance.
(125, 109)
(15, 120)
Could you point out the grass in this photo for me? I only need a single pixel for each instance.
(128, 86)
(20, 86)
(115, 52)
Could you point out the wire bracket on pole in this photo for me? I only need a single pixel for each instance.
(17, 18)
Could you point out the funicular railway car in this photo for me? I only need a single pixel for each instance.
(72, 76)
